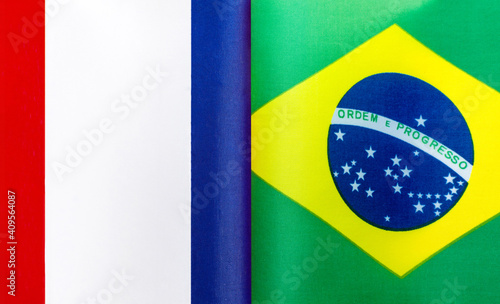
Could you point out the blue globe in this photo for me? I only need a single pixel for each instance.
(400, 152)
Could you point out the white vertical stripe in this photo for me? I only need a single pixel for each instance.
(118, 210)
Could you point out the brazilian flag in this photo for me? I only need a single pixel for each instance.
(375, 151)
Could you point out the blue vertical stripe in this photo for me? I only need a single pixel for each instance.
(220, 219)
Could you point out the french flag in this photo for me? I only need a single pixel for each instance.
(125, 166)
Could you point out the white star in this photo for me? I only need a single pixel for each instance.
(416, 153)
(419, 207)
(397, 188)
(448, 197)
(437, 213)
(437, 195)
(346, 169)
(410, 194)
(370, 152)
(355, 186)
(421, 121)
(406, 171)
(437, 205)
(429, 196)
(396, 160)
(361, 174)
(453, 190)
(388, 172)
(340, 135)
(419, 195)
(396, 177)
(449, 179)
(460, 183)
(369, 192)
(336, 174)
(387, 218)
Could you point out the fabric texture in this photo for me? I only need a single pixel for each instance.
(300, 251)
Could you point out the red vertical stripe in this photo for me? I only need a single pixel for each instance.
(22, 91)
